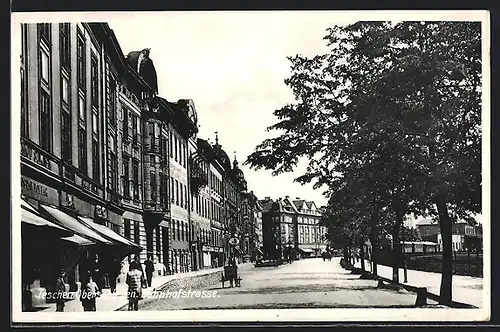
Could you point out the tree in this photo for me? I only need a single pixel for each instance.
(397, 108)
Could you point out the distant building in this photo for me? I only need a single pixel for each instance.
(464, 235)
(291, 226)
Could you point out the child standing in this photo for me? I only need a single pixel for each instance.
(90, 291)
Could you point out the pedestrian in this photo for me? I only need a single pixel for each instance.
(134, 282)
(60, 291)
(150, 268)
(137, 264)
(97, 273)
(89, 292)
(115, 269)
(323, 255)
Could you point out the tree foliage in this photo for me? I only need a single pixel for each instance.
(390, 120)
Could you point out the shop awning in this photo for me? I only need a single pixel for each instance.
(79, 240)
(75, 225)
(32, 217)
(109, 233)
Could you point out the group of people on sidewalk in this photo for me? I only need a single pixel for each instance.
(93, 282)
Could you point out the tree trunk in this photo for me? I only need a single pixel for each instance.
(445, 223)
(374, 243)
(396, 246)
(346, 254)
(362, 253)
(349, 256)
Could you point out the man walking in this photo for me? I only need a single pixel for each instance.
(134, 282)
(60, 291)
(150, 267)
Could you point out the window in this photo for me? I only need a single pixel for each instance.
(65, 89)
(153, 187)
(81, 108)
(65, 45)
(44, 30)
(183, 230)
(135, 129)
(175, 148)
(45, 121)
(112, 101)
(94, 123)
(135, 178)
(176, 192)
(44, 65)
(81, 61)
(126, 176)
(113, 170)
(66, 136)
(171, 145)
(94, 80)
(178, 231)
(174, 230)
(162, 187)
(125, 123)
(158, 243)
(182, 195)
(136, 232)
(152, 161)
(95, 160)
(172, 198)
(82, 149)
(126, 228)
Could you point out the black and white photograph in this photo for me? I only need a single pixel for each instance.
(251, 166)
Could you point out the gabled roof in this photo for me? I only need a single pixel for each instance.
(266, 204)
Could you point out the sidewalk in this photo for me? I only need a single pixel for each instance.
(465, 289)
(112, 302)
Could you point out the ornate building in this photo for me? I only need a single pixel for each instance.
(290, 227)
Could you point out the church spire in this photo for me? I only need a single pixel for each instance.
(217, 138)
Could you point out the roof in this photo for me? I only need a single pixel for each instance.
(266, 204)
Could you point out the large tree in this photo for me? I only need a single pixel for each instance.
(398, 105)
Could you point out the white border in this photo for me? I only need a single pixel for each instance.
(263, 315)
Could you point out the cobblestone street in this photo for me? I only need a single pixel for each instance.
(308, 283)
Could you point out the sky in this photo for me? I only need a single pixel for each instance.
(233, 66)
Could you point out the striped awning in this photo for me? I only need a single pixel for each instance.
(75, 225)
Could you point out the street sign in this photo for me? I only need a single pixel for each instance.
(234, 241)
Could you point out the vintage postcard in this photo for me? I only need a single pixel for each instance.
(279, 166)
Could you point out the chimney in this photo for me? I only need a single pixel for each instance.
(286, 197)
(267, 198)
(297, 197)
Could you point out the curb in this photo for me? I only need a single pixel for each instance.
(181, 276)
(422, 293)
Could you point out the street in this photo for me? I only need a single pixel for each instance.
(308, 283)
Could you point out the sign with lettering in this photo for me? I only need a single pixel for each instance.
(38, 191)
(35, 156)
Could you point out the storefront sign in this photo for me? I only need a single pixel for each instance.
(35, 156)
(38, 191)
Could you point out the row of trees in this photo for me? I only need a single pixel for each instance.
(390, 123)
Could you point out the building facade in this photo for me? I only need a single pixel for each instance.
(291, 229)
